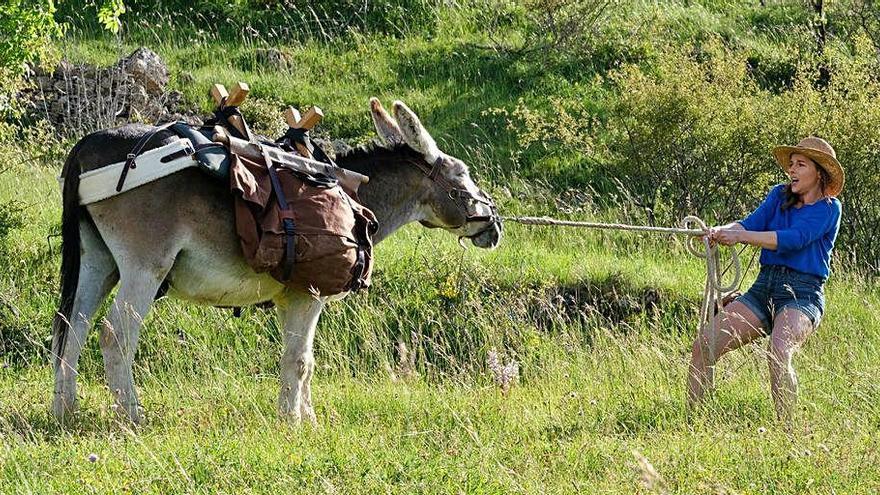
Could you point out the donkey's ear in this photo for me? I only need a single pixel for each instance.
(386, 127)
(414, 133)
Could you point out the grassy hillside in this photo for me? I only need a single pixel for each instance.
(652, 110)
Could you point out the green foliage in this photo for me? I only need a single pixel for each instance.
(539, 29)
(846, 113)
(10, 219)
(263, 116)
(13, 338)
(26, 31)
(108, 15)
(693, 134)
(280, 19)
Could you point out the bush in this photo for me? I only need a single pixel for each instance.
(26, 29)
(541, 28)
(846, 113)
(693, 134)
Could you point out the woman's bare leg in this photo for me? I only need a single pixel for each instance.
(790, 331)
(735, 326)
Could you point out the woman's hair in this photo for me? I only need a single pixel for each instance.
(790, 199)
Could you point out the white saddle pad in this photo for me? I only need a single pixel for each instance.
(99, 184)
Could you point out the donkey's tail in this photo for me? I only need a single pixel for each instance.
(70, 250)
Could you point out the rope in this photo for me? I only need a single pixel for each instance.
(597, 225)
(714, 290)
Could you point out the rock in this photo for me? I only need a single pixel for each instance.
(77, 99)
(147, 69)
(138, 97)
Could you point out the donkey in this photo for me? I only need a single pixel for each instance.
(178, 233)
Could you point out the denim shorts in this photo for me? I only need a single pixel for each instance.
(780, 287)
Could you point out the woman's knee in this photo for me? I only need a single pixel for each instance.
(781, 351)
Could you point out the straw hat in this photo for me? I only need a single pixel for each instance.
(819, 151)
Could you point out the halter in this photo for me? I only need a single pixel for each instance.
(462, 198)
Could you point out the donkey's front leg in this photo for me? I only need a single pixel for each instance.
(120, 332)
(299, 314)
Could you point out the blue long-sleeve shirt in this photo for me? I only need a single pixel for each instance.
(804, 236)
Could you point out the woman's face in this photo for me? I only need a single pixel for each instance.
(804, 174)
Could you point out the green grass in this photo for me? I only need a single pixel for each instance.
(574, 429)
(591, 391)
(601, 323)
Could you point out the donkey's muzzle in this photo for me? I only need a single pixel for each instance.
(490, 236)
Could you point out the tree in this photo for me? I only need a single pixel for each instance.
(26, 29)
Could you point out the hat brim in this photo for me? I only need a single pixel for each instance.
(824, 160)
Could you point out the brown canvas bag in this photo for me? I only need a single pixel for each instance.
(333, 245)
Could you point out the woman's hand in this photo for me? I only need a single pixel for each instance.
(725, 236)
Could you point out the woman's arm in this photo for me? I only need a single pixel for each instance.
(734, 233)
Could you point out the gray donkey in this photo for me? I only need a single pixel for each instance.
(178, 232)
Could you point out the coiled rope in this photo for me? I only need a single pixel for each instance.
(714, 291)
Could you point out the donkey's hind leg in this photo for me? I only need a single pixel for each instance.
(97, 276)
(299, 313)
(121, 329)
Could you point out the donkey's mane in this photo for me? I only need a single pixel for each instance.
(373, 157)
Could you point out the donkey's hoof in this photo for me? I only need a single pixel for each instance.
(290, 413)
(291, 417)
(307, 413)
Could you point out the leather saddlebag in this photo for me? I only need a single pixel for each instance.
(331, 234)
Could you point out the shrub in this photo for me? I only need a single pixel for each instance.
(25, 31)
(693, 134)
(847, 115)
(542, 29)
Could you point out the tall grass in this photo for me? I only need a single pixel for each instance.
(602, 376)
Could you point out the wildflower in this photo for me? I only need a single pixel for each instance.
(762, 430)
(93, 457)
(504, 375)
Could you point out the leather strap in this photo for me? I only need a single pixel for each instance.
(187, 151)
(301, 136)
(138, 148)
(286, 220)
(221, 117)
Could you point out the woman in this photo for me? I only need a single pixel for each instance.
(795, 226)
